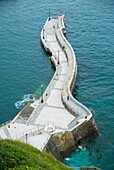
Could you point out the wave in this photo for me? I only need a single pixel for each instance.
(26, 98)
(82, 148)
(67, 159)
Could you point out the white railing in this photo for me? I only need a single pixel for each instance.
(75, 107)
(67, 97)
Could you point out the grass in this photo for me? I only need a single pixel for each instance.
(15, 155)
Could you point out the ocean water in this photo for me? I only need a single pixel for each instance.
(24, 65)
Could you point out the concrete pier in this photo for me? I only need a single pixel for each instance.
(57, 110)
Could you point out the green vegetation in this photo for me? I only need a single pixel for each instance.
(15, 155)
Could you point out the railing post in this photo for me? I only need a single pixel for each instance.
(41, 93)
(26, 137)
(49, 14)
(58, 58)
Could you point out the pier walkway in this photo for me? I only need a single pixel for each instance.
(57, 110)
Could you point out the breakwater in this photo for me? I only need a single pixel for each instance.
(57, 123)
(83, 126)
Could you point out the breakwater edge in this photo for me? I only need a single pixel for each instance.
(41, 124)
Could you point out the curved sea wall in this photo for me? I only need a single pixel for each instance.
(57, 122)
(83, 126)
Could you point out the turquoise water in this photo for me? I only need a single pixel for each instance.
(24, 65)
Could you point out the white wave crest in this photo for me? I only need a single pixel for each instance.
(26, 98)
(83, 148)
(67, 159)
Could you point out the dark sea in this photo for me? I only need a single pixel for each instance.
(24, 65)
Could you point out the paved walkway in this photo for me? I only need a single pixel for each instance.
(50, 116)
(50, 113)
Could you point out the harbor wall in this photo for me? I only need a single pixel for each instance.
(62, 144)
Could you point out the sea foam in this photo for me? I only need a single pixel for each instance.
(26, 98)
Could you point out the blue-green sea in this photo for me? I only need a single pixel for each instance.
(24, 65)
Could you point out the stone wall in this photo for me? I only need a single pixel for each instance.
(62, 144)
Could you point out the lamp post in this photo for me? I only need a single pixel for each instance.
(41, 93)
(58, 58)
